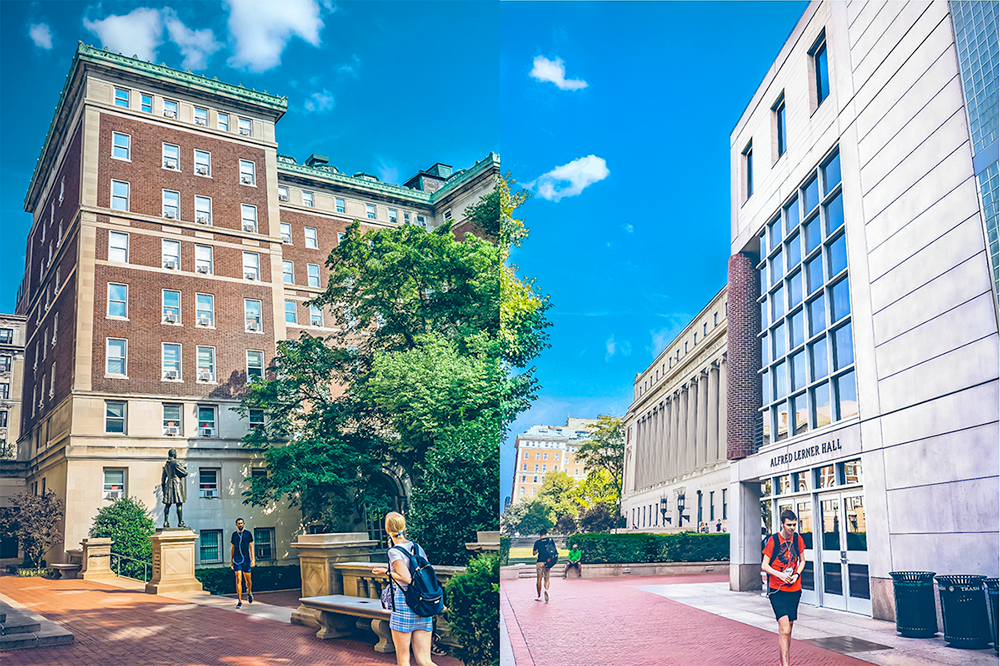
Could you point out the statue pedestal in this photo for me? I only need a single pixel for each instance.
(486, 542)
(173, 562)
(317, 554)
(96, 557)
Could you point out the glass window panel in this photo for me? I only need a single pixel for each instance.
(854, 517)
(835, 214)
(206, 417)
(777, 304)
(782, 425)
(778, 333)
(843, 347)
(784, 487)
(797, 329)
(764, 320)
(795, 289)
(794, 251)
(800, 413)
(802, 485)
(774, 233)
(833, 578)
(810, 195)
(831, 517)
(814, 273)
(797, 362)
(831, 174)
(777, 268)
(766, 387)
(813, 234)
(792, 214)
(847, 396)
(117, 300)
(206, 359)
(817, 315)
(819, 366)
(841, 300)
(289, 312)
(808, 576)
(852, 471)
(765, 342)
(780, 380)
(766, 416)
(838, 255)
(822, 74)
(821, 405)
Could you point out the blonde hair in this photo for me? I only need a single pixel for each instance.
(395, 524)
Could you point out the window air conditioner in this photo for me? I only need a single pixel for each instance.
(170, 263)
(246, 180)
(244, 131)
(205, 376)
(249, 226)
(202, 269)
(202, 219)
(170, 215)
(286, 239)
(170, 163)
(112, 494)
(169, 318)
(248, 275)
(317, 322)
(204, 320)
(282, 197)
(201, 170)
(252, 325)
(173, 431)
(169, 114)
(170, 374)
(206, 432)
(209, 493)
(200, 121)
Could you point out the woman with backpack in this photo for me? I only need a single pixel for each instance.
(408, 628)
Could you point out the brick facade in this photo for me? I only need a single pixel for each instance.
(743, 390)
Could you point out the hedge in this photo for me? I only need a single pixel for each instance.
(603, 548)
(504, 549)
(222, 580)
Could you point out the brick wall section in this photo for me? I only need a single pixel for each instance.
(148, 178)
(327, 229)
(743, 387)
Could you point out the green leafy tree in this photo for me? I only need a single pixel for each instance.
(473, 611)
(126, 520)
(35, 521)
(597, 519)
(557, 493)
(596, 488)
(510, 520)
(536, 519)
(605, 450)
(565, 525)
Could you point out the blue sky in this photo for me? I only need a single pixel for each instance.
(382, 87)
(617, 116)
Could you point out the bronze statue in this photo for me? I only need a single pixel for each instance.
(174, 488)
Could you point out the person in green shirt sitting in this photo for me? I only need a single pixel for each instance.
(574, 560)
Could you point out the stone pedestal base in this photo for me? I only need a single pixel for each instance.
(745, 578)
(317, 555)
(173, 562)
(96, 558)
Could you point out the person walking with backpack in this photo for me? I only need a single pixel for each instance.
(783, 563)
(416, 595)
(548, 555)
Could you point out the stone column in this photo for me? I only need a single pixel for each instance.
(173, 562)
(722, 408)
(691, 445)
(675, 438)
(743, 431)
(744, 534)
(640, 460)
(662, 443)
(317, 553)
(97, 560)
(702, 432)
(713, 413)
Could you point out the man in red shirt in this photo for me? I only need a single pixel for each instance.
(783, 568)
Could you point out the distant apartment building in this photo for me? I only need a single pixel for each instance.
(12, 468)
(172, 247)
(676, 473)
(543, 449)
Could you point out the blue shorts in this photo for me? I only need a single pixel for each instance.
(241, 566)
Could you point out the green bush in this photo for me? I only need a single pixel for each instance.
(127, 522)
(602, 548)
(222, 580)
(504, 550)
(473, 611)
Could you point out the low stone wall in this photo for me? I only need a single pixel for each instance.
(513, 572)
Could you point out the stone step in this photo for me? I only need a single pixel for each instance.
(17, 623)
(23, 629)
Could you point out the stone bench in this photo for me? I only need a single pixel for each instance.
(337, 610)
(69, 570)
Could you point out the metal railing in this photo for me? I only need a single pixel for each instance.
(141, 570)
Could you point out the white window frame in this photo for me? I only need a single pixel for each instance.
(127, 197)
(255, 352)
(171, 211)
(115, 136)
(286, 233)
(248, 172)
(202, 115)
(248, 218)
(108, 357)
(393, 215)
(164, 307)
(314, 245)
(282, 193)
(202, 159)
(118, 235)
(200, 312)
(142, 103)
(340, 205)
(251, 323)
(244, 124)
(164, 370)
(287, 270)
(315, 314)
(124, 303)
(201, 262)
(171, 109)
(166, 158)
(109, 492)
(293, 312)
(206, 373)
(214, 421)
(205, 489)
(370, 211)
(222, 121)
(312, 271)
(202, 214)
(116, 98)
(253, 265)
(307, 199)
(168, 260)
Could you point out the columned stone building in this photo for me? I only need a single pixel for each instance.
(675, 431)
(863, 339)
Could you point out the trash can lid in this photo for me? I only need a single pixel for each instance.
(960, 579)
(912, 575)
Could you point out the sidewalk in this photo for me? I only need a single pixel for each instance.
(688, 620)
(123, 626)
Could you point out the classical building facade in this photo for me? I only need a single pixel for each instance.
(542, 449)
(172, 247)
(676, 473)
(863, 346)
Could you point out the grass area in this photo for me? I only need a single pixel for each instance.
(524, 556)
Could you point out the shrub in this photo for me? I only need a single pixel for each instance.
(127, 522)
(601, 548)
(221, 580)
(504, 550)
(34, 520)
(473, 611)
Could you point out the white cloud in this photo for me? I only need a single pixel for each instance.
(578, 174)
(555, 72)
(137, 33)
(195, 45)
(41, 35)
(351, 67)
(319, 102)
(386, 172)
(628, 228)
(261, 30)
(611, 348)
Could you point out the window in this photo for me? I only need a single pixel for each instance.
(287, 271)
(245, 126)
(223, 121)
(711, 505)
(3, 418)
(370, 211)
(421, 221)
(290, 312)
(119, 195)
(820, 71)
(114, 417)
(779, 124)
(114, 484)
(447, 215)
(171, 361)
(172, 419)
(147, 103)
(312, 241)
(169, 108)
(406, 218)
(204, 261)
(313, 274)
(256, 418)
(117, 300)
(252, 314)
(286, 233)
(393, 215)
(307, 199)
(206, 365)
(282, 193)
(171, 157)
(202, 163)
(340, 237)
(210, 546)
(204, 310)
(248, 215)
(201, 117)
(315, 316)
(5, 391)
(725, 512)
(121, 146)
(203, 210)
(339, 203)
(208, 483)
(6, 336)
(5, 365)
(121, 98)
(248, 173)
(255, 364)
(748, 169)
(263, 543)
(206, 420)
(171, 254)
(251, 266)
(117, 356)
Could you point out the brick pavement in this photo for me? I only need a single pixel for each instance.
(609, 622)
(119, 627)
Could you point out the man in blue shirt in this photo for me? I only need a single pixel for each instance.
(242, 557)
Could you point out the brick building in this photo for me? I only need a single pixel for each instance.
(542, 449)
(172, 246)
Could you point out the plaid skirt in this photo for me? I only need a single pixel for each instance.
(404, 619)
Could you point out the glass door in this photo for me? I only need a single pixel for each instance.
(844, 553)
(804, 512)
(856, 554)
(831, 573)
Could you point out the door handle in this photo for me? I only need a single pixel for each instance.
(843, 557)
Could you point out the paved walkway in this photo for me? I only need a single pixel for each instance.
(686, 620)
(127, 627)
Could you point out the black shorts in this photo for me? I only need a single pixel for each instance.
(786, 603)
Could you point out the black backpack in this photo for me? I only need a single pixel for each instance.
(423, 595)
(549, 552)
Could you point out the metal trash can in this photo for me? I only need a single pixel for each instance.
(916, 616)
(963, 606)
(992, 592)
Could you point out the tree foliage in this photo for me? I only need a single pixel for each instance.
(34, 520)
(127, 522)
(605, 450)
